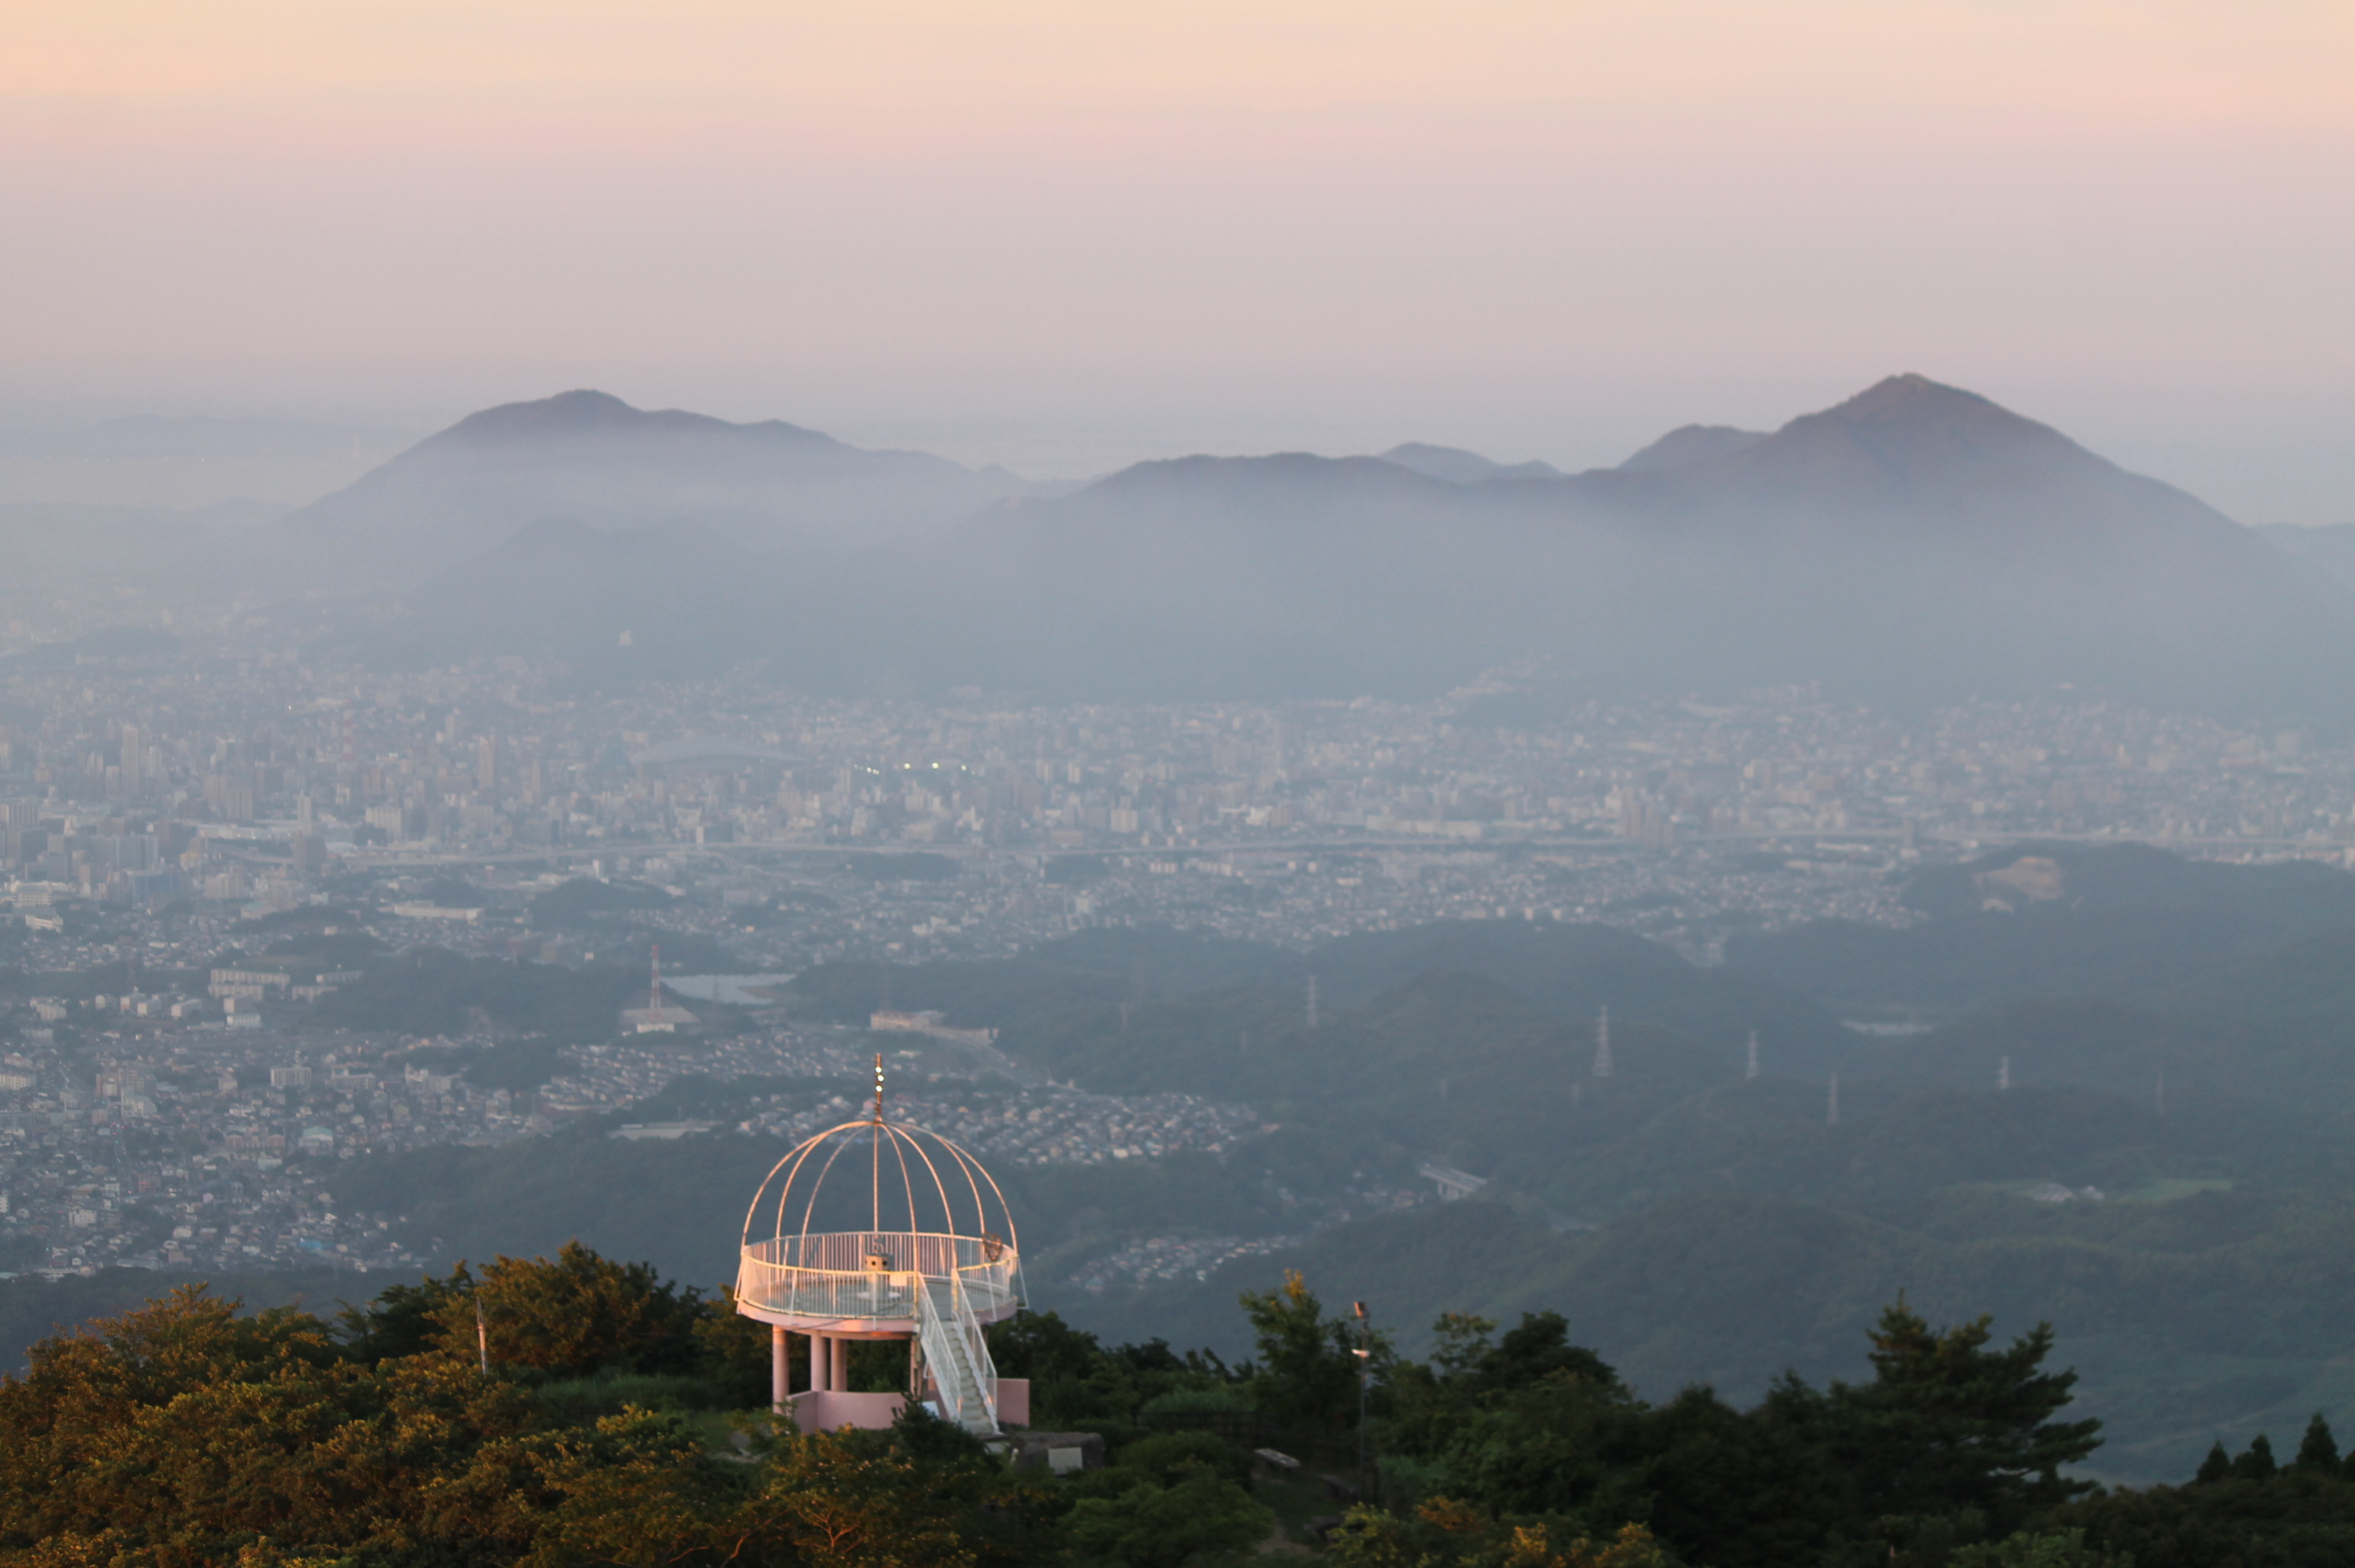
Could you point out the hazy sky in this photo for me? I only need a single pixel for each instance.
(1069, 232)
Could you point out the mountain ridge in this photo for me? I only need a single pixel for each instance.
(1914, 543)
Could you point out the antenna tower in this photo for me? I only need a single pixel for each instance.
(2003, 1073)
(1752, 1069)
(1831, 1112)
(1312, 1001)
(653, 996)
(1603, 1043)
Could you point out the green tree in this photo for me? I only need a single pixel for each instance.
(2318, 1451)
(1444, 1534)
(575, 1313)
(1149, 1524)
(1949, 1424)
(2048, 1549)
(1308, 1364)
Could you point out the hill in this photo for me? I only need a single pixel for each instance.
(2329, 550)
(590, 457)
(1915, 544)
(2121, 921)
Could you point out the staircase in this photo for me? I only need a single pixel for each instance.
(958, 1357)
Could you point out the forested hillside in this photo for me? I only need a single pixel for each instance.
(576, 1411)
(2165, 1177)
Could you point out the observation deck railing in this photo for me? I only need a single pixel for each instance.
(827, 1275)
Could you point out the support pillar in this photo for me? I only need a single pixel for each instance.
(780, 1370)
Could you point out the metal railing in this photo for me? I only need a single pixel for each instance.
(954, 1348)
(875, 1274)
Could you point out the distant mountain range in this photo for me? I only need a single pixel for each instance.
(1916, 543)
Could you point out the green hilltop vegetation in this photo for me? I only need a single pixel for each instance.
(570, 1411)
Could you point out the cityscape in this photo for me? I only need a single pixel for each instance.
(206, 857)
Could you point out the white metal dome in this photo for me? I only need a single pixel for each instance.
(857, 1225)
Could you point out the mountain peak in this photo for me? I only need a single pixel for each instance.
(1908, 430)
(566, 413)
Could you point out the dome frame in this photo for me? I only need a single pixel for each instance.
(866, 1283)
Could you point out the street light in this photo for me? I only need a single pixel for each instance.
(1364, 1354)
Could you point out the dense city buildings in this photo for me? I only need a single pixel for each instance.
(206, 861)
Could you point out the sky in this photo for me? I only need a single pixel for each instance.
(1065, 234)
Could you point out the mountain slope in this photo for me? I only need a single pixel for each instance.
(593, 458)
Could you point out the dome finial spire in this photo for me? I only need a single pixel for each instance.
(879, 1087)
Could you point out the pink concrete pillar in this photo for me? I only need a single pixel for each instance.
(780, 1372)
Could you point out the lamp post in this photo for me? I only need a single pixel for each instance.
(1364, 1354)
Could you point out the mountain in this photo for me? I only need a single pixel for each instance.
(590, 458)
(1915, 544)
(678, 602)
(1692, 443)
(2115, 920)
(2329, 549)
(1459, 466)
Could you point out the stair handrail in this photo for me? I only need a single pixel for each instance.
(949, 1349)
(985, 1365)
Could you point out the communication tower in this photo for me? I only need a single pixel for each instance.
(927, 1259)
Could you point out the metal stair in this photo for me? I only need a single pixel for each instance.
(958, 1358)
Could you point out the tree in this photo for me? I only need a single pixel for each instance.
(1308, 1364)
(2256, 1462)
(1152, 1525)
(1948, 1424)
(579, 1313)
(2050, 1549)
(2317, 1451)
(731, 1352)
(405, 1319)
(1444, 1534)
(2215, 1467)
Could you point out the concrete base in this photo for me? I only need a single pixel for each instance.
(1059, 1451)
(824, 1411)
(828, 1410)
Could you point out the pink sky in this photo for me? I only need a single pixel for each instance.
(1068, 234)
